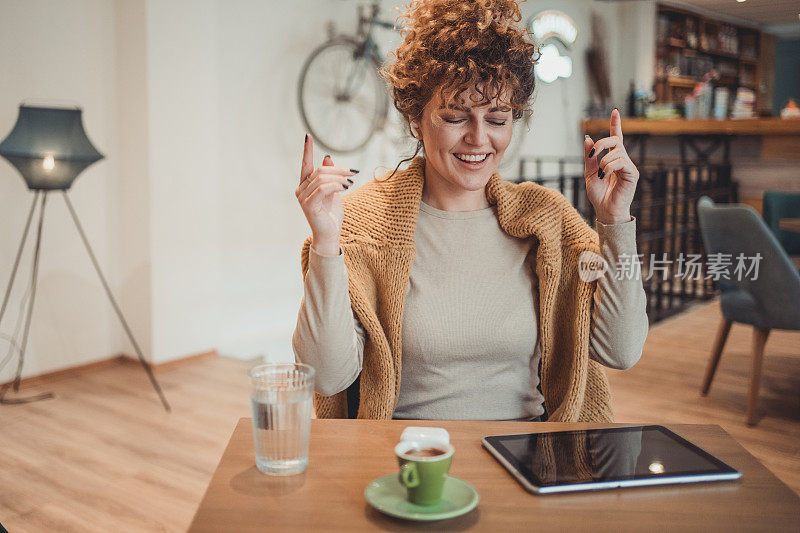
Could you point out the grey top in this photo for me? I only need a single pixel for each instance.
(470, 347)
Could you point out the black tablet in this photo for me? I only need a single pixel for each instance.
(592, 459)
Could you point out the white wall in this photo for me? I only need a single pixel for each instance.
(60, 52)
(184, 175)
(637, 41)
(131, 221)
(193, 211)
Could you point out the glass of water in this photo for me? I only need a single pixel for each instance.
(281, 396)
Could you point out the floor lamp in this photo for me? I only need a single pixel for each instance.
(49, 147)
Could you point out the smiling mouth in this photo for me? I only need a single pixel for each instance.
(471, 158)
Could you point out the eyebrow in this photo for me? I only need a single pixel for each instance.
(467, 109)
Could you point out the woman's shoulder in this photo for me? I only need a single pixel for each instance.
(543, 207)
(533, 192)
(385, 207)
(390, 187)
(527, 196)
(381, 192)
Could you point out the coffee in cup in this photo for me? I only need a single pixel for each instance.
(425, 452)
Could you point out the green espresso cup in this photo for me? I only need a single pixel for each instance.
(423, 470)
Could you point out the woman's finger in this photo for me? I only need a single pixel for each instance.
(307, 164)
(606, 143)
(588, 144)
(589, 161)
(314, 200)
(606, 169)
(616, 124)
(616, 153)
(622, 164)
(340, 171)
(321, 180)
(615, 165)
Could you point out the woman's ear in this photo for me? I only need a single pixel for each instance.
(414, 130)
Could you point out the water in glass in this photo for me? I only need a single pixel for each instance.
(281, 399)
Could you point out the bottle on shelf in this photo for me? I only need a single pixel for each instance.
(631, 101)
(720, 103)
(689, 106)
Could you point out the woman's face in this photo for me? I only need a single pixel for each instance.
(465, 140)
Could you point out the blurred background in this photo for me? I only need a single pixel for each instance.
(200, 108)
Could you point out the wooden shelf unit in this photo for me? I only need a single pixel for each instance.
(688, 45)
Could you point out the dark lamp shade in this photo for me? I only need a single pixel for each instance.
(49, 147)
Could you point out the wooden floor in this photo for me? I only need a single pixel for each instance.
(104, 456)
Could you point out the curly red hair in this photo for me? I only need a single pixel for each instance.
(454, 45)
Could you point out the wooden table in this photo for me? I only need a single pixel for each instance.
(345, 455)
(790, 224)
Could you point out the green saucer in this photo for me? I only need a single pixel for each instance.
(387, 495)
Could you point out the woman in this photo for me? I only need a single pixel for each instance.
(465, 299)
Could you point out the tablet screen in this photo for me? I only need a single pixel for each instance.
(602, 455)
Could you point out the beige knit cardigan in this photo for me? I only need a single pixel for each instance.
(377, 242)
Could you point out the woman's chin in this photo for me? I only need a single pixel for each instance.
(475, 180)
(472, 185)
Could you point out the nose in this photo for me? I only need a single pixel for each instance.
(476, 135)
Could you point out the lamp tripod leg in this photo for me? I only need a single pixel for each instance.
(24, 344)
(144, 362)
(19, 255)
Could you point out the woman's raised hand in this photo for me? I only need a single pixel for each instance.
(319, 198)
(611, 183)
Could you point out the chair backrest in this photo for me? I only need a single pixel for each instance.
(778, 205)
(772, 298)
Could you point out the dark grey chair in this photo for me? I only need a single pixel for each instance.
(770, 300)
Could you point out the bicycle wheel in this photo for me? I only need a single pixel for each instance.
(342, 96)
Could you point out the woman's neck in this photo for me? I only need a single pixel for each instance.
(441, 194)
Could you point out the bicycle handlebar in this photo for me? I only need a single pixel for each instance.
(384, 24)
(372, 19)
(369, 21)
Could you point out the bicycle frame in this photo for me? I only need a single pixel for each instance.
(366, 24)
(368, 49)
